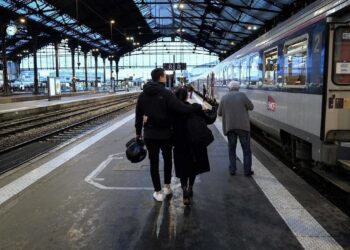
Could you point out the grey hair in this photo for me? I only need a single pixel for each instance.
(233, 85)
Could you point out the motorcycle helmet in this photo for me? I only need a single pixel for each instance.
(135, 151)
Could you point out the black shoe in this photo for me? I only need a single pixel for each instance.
(250, 173)
(232, 173)
(186, 198)
(187, 201)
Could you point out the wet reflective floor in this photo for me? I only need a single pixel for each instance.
(98, 200)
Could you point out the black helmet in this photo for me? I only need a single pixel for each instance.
(135, 151)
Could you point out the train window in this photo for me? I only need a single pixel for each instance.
(270, 67)
(295, 62)
(341, 56)
(244, 72)
(254, 73)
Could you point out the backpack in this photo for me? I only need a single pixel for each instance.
(198, 132)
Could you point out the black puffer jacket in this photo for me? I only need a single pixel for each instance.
(159, 104)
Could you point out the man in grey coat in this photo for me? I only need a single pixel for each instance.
(233, 108)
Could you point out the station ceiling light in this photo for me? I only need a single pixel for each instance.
(181, 6)
(232, 43)
(112, 22)
(22, 20)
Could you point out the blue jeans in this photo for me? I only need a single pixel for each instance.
(244, 138)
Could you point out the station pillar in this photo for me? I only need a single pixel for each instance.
(104, 67)
(57, 62)
(116, 70)
(85, 70)
(73, 45)
(110, 58)
(35, 61)
(6, 87)
(95, 53)
(18, 67)
(85, 51)
(96, 66)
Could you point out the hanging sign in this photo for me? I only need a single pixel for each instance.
(174, 66)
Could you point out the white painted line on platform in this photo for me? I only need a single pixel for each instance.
(15, 187)
(310, 234)
(92, 177)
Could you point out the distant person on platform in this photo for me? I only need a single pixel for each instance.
(113, 77)
(233, 108)
(204, 92)
(154, 112)
(190, 90)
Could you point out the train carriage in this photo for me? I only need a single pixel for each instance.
(298, 77)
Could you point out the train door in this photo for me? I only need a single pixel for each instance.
(337, 102)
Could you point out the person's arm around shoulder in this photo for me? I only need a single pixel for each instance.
(248, 103)
(178, 106)
(139, 116)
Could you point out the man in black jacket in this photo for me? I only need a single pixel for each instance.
(154, 113)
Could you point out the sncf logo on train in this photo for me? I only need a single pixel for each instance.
(271, 104)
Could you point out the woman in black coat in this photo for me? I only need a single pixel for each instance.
(189, 161)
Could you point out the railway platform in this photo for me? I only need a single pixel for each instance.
(23, 97)
(86, 195)
(19, 109)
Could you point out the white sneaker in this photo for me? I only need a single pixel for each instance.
(158, 196)
(167, 190)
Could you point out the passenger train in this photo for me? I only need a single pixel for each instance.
(298, 77)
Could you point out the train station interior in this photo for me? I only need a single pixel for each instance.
(94, 95)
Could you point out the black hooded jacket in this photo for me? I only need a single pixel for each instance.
(159, 104)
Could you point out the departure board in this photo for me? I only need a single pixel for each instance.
(174, 66)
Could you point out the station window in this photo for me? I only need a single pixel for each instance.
(235, 71)
(223, 76)
(270, 67)
(220, 77)
(295, 62)
(341, 58)
(229, 73)
(254, 73)
(244, 72)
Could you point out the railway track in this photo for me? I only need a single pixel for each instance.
(306, 171)
(24, 139)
